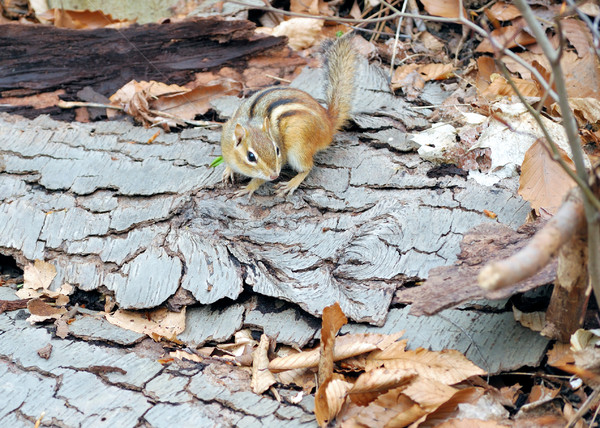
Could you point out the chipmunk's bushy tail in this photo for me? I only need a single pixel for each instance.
(340, 69)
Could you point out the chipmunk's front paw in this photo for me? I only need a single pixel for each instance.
(227, 177)
(285, 189)
(249, 189)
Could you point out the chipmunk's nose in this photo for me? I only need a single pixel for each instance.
(274, 176)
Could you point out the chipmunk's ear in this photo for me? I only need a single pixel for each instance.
(239, 132)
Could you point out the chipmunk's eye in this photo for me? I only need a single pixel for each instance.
(251, 157)
(277, 151)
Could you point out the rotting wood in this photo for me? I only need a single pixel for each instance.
(105, 59)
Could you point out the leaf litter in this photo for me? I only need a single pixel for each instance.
(373, 380)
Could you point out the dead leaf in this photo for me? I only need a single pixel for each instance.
(587, 110)
(183, 355)
(392, 409)
(333, 320)
(346, 346)
(381, 379)
(329, 399)
(302, 33)
(543, 182)
(159, 322)
(500, 87)
(446, 9)
(578, 34)
(447, 366)
(83, 19)
(532, 320)
(451, 407)
(436, 71)
(262, 378)
(197, 101)
(41, 311)
(470, 423)
(560, 354)
(62, 326)
(542, 393)
(504, 11)
(509, 37)
(38, 275)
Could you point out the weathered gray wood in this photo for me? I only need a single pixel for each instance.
(115, 213)
(493, 341)
(206, 323)
(97, 328)
(287, 325)
(144, 219)
(80, 386)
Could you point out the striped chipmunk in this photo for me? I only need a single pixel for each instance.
(280, 125)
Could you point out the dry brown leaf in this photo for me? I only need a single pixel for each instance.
(262, 378)
(431, 42)
(197, 101)
(83, 19)
(446, 9)
(436, 71)
(590, 7)
(159, 322)
(582, 75)
(543, 182)
(560, 354)
(532, 320)
(152, 90)
(302, 33)
(402, 73)
(578, 34)
(394, 350)
(448, 366)
(450, 408)
(381, 379)
(38, 275)
(333, 320)
(470, 423)
(390, 410)
(304, 378)
(486, 67)
(542, 393)
(346, 346)
(587, 110)
(41, 311)
(501, 87)
(313, 7)
(329, 399)
(183, 355)
(510, 36)
(429, 393)
(504, 11)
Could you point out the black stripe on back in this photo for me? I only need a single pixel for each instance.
(290, 113)
(259, 97)
(279, 102)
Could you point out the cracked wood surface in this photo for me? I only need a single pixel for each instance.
(95, 385)
(145, 221)
(142, 220)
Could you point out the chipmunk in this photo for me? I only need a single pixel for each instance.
(280, 125)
